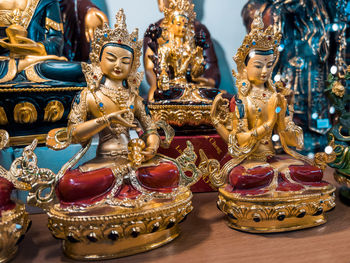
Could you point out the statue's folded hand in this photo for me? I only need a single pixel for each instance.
(116, 117)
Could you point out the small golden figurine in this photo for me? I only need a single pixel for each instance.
(259, 190)
(14, 220)
(127, 199)
(180, 93)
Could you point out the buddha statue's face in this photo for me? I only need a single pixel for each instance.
(179, 26)
(116, 62)
(259, 68)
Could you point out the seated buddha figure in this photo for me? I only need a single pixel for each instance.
(127, 199)
(180, 62)
(109, 107)
(259, 115)
(32, 42)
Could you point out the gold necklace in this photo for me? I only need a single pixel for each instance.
(118, 95)
(257, 96)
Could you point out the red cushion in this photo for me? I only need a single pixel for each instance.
(306, 173)
(6, 188)
(162, 178)
(85, 188)
(257, 177)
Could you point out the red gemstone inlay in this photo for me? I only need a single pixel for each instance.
(119, 41)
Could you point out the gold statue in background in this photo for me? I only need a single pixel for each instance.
(266, 192)
(175, 68)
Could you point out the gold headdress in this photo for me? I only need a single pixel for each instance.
(257, 39)
(179, 8)
(119, 35)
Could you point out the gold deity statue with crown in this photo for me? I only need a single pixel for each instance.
(181, 91)
(261, 191)
(128, 199)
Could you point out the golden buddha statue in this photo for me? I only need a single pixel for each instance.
(175, 68)
(266, 192)
(127, 199)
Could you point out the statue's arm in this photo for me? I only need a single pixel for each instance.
(150, 75)
(79, 128)
(148, 125)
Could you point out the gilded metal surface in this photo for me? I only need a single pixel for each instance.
(25, 112)
(93, 19)
(4, 139)
(106, 35)
(276, 214)
(25, 174)
(177, 53)
(39, 88)
(181, 114)
(32, 75)
(49, 23)
(53, 111)
(13, 225)
(168, 131)
(259, 111)
(112, 226)
(25, 140)
(3, 116)
(117, 232)
(13, 14)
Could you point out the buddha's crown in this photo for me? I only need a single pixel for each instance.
(258, 39)
(119, 35)
(179, 8)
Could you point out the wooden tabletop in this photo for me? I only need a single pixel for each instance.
(205, 237)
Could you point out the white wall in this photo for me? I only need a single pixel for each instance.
(222, 18)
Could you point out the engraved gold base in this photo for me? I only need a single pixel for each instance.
(180, 115)
(276, 214)
(106, 232)
(13, 225)
(121, 248)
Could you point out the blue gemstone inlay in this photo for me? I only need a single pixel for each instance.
(105, 35)
(134, 39)
(259, 110)
(254, 43)
(243, 83)
(278, 109)
(100, 104)
(131, 106)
